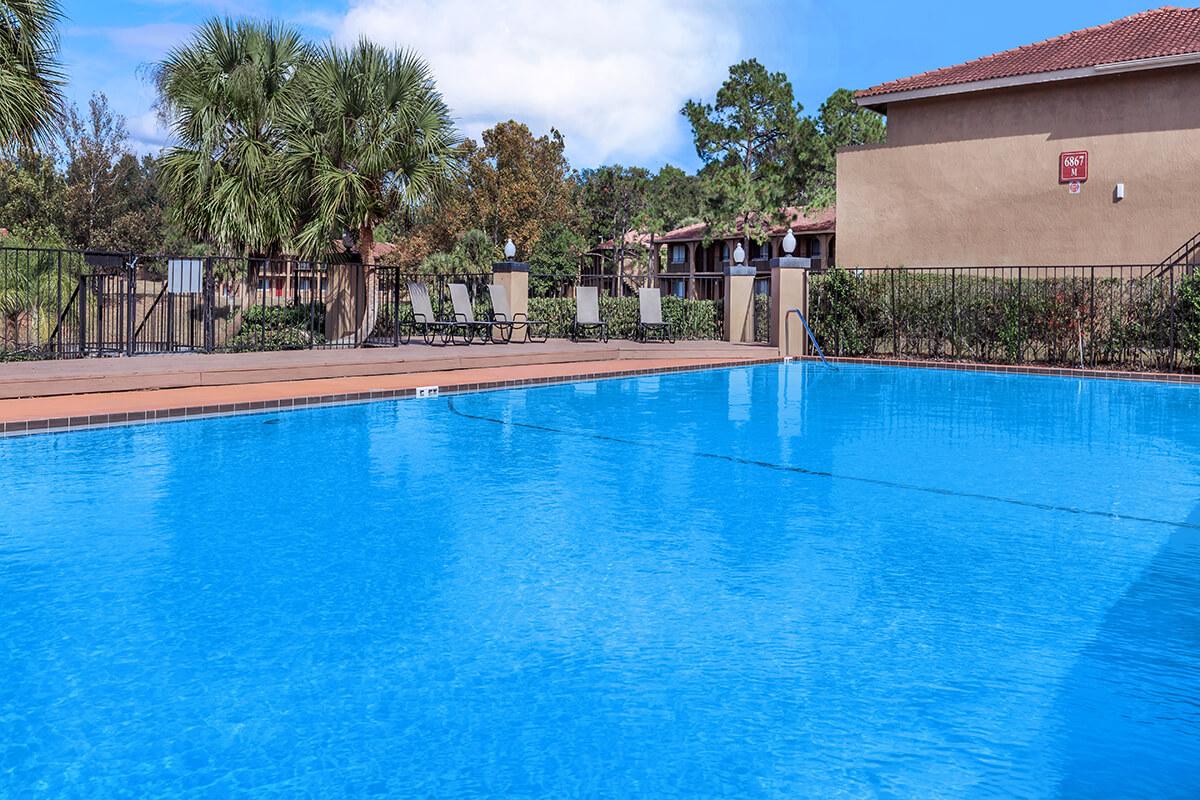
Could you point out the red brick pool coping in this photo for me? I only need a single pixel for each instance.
(1018, 369)
(71, 412)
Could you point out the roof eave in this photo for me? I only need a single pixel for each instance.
(880, 102)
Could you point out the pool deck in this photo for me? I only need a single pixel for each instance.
(61, 395)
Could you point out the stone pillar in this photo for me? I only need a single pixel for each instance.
(514, 277)
(739, 304)
(789, 289)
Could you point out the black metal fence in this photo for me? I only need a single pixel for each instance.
(69, 304)
(73, 304)
(1143, 317)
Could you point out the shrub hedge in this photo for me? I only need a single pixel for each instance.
(1133, 321)
(691, 319)
(292, 327)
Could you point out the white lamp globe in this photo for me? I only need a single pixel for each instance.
(789, 241)
(510, 249)
(739, 254)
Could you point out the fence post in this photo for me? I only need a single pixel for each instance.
(895, 320)
(396, 307)
(953, 312)
(58, 309)
(1171, 278)
(1092, 318)
(82, 296)
(131, 269)
(209, 299)
(1020, 344)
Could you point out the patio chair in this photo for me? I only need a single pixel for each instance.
(587, 315)
(650, 318)
(464, 314)
(502, 313)
(427, 323)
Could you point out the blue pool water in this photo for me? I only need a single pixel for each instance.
(778, 581)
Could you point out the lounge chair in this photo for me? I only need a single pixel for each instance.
(650, 319)
(587, 315)
(427, 323)
(464, 314)
(502, 314)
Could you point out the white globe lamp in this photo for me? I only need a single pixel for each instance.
(789, 241)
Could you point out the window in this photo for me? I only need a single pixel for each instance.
(764, 250)
(724, 251)
(814, 248)
(678, 254)
(679, 289)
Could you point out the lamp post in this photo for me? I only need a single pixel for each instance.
(789, 242)
(513, 276)
(739, 255)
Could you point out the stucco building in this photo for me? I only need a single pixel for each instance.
(1083, 149)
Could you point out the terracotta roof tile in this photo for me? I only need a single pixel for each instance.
(1161, 32)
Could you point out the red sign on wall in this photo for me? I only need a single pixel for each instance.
(1072, 166)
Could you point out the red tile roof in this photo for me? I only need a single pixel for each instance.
(822, 221)
(1165, 31)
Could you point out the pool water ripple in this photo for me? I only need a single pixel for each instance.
(396, 599)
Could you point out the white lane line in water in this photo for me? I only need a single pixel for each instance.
(750, 462)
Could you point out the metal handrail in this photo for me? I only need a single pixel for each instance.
(811, 337)
(1180, 258)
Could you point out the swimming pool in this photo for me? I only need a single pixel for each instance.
(780, 581)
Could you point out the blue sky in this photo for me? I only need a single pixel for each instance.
(610, 74)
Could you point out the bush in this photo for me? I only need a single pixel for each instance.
(997, 316)
(293, 327)
(691, 319)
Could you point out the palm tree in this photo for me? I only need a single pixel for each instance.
(223, 94)
(30, 78)
(369, 136)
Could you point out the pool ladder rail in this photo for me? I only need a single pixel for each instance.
(811, 337)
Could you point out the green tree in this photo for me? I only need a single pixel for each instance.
(32, 194)
(138, 223)
(840, 123)
(554, 261)
(223, 95)
(30, 76)
(514, 185)
(94, 142)
(673, 199)
(475, 250)
(368, 136)
(613, 199)
(745, 139)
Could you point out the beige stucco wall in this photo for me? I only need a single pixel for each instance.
(973, 179)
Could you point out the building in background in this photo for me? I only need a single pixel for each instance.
(686, 267)
(1079, 150)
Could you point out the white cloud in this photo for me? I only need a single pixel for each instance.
(610, 74)
(146, 133)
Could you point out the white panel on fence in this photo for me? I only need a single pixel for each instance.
(184, 275)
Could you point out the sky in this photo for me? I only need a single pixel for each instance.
(611, 75)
